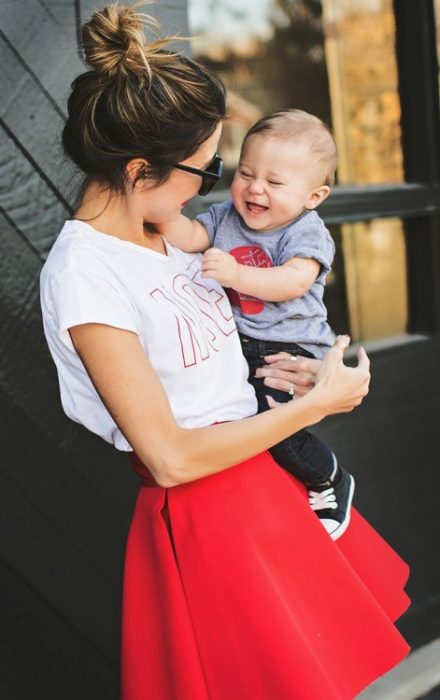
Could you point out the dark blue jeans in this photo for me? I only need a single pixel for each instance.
(302, 454)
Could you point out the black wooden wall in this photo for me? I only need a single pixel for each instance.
(65, 496)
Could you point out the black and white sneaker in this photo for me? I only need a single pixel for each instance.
(331, 501)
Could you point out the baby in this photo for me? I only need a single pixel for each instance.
(273, 253)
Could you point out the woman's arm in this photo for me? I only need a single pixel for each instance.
(133, 394)
(281, 283)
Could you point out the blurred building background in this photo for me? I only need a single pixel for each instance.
(369, 68)
(336, 59)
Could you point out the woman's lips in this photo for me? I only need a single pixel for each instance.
(255, 208)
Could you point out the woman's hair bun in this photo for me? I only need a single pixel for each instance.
(139, 99)
(114, 40)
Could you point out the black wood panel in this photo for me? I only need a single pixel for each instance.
(65, 496)
(391, 445)
(43, 658)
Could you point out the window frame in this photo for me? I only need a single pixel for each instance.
(418, 75)
(417, 200)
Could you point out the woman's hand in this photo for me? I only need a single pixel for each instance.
(287, 372)
(342, 388)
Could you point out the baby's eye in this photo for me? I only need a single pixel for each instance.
(274, 182)
(243, 173)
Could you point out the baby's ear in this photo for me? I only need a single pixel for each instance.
(317, 196)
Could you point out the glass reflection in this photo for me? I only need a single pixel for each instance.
(271, 55)
(336, 59)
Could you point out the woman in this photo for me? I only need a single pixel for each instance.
(232, 589)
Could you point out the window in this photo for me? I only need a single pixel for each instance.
(336, 59)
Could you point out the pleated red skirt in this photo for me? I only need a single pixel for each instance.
(234, 591)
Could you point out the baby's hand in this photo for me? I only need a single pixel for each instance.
(220, 266)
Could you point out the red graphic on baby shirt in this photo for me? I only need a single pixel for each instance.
(253, 256)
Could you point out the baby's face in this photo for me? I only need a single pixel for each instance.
(273, 183)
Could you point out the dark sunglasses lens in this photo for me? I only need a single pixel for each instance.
(216, 166)
(211, 176)
(208, 183)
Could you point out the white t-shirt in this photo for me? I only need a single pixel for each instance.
(184, 323)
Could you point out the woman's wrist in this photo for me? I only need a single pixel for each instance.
(311, 405)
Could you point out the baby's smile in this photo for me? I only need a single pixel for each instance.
(256, 208)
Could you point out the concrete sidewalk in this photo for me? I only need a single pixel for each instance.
(411, 679)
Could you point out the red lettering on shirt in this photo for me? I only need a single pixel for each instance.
(201, 312)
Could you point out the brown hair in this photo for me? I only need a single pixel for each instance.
(295, 124)
(138, 100)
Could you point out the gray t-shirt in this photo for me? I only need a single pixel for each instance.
(303, 320)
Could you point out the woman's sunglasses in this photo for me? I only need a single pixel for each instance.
(210, 176)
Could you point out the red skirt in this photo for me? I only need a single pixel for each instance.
(234, 591)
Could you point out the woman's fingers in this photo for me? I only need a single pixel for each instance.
(284, 381)
(283, 361)
(280, 372)
(334, 356)
(363, 369)
(278, 379)
(284, 385)
(363, 359)
(272, 403)
(342, 342)
(345, 387)
(280, 375)
(277, 356)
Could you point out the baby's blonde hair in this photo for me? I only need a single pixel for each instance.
(297, 126)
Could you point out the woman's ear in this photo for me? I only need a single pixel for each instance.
(317, 196)
(136, 169)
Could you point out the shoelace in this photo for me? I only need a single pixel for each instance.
(319, 500)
